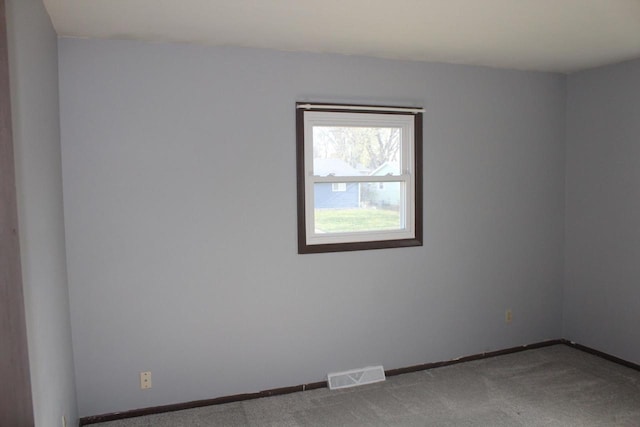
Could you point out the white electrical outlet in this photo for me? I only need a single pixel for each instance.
(508, 316)
(145, 380)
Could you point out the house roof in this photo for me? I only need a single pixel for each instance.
(384, 169)
(337, 167)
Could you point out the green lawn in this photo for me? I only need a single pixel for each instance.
(344, 220)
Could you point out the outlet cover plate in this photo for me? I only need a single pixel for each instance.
(145, 380)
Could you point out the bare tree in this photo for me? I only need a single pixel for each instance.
(360, 147)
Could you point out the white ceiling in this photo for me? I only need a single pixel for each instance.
(545, 35)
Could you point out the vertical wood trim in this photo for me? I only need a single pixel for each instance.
(16, 405)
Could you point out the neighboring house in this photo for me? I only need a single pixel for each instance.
(383, 194)
(339, 195)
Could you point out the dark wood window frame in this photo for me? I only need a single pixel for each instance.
(416, 240)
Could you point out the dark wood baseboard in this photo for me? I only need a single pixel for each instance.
(322, 384)
(425, 366)
(603, 355)
(199, 403)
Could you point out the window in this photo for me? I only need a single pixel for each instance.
(359, 177)
(339, 186)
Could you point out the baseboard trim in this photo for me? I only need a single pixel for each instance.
(323, 384)
(198, 403)
(603, 355)
(425, 366)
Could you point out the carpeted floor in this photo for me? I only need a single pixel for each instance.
(552, 386)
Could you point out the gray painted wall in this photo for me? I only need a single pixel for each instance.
(602, 296)
(33, 60)
(180, 213)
